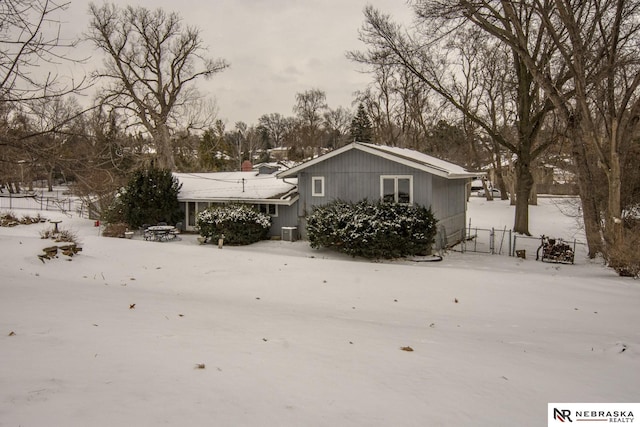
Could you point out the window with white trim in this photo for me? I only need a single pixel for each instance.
(269, 209)
(396, 189)
(317, 186)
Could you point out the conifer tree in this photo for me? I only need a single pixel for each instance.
(151, 197)
(361, 129)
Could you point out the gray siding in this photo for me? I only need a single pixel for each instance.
(287, 217)
(355, 175)
(449, 206)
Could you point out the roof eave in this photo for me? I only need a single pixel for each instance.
(443, 173)
(294, 170)
(278, 201)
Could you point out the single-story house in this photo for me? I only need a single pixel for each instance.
(366, 171)
(268, 193)
(352, 173)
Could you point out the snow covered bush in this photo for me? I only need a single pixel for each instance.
(240, 224)
(372, 230)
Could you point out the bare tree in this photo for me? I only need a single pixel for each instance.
(152, 61)
(254, 144)
(29, 39)
(30, 49)
(428, 55)
(596, 42)
(275, 125)
(399, 106)
(212, 147)
(309, 108)
(336, 124)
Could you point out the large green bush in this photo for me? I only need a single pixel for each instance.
(151, 196)
(240, 224)
(372, 230)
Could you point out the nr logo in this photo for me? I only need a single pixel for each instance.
(562, 415)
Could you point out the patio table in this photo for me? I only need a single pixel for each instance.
(159, 233)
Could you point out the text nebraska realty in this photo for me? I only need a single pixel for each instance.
(591, 415)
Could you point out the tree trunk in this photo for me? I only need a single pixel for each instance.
(164, 150)
(613, 222)
(590, 209)
(50, 180)
(524, 180)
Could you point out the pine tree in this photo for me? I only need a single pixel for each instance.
(361, 129)
(151, 197)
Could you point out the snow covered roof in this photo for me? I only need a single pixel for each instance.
(236, 186)
(412, 158)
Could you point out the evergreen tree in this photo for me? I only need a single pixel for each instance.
(361, 129)
(151, 197)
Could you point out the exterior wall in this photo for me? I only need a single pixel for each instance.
(355, 175)
(287, 216)
(449, 206)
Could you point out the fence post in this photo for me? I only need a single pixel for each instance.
(492, 241)
(514, 244)
(510, 234)
(475, 241)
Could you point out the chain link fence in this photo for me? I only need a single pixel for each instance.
(495, 241)
(36, 201)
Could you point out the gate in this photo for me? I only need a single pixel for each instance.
(495, 241)
(485, 240)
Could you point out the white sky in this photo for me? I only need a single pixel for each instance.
(276, 48)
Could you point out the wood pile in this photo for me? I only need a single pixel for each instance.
(51, 252)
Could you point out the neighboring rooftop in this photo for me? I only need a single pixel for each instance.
(235, 186)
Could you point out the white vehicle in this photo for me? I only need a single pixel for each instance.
(494, 192)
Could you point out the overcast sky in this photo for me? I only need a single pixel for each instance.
(276, 48)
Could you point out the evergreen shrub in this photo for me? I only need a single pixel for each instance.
(240, 224)
(151, 196)
(372, 230)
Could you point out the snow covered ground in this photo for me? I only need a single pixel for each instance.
(279, 334)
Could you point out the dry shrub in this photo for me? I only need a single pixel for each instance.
(625, 259)
(47, 233)
(67, 236)
(28, 219)
(63, 235)
(8, 219)
(115, 229)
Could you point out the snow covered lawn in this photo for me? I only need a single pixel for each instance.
(142, 333)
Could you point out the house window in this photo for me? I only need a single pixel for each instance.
(269, 209)
(317, 186)
(396, 189)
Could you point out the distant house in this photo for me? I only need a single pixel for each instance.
(365, 171)
(269, 194)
